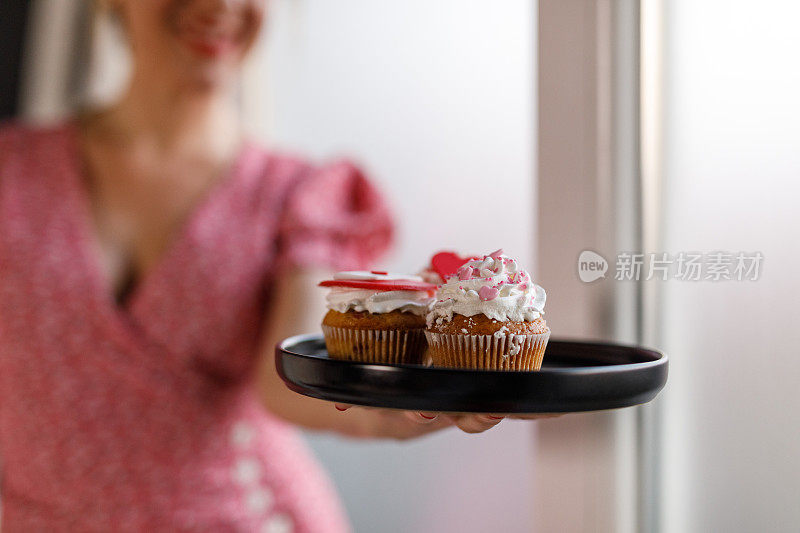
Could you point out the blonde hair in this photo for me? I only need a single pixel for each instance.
(109, 50)
(109, 8)
(102, 5)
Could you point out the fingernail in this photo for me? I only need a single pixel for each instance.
(340, 408)
(496, 417)
(428, 416)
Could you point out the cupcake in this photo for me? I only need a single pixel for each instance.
(376, 317)
(488, 316)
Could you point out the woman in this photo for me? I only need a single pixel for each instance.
(149, 261)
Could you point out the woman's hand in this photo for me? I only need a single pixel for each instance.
(409, 424)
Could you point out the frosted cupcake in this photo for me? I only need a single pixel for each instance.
(488, 316)
(376, 317)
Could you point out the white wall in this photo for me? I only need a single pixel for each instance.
(435, 99)
(732, 182)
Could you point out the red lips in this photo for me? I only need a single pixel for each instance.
(211, 47)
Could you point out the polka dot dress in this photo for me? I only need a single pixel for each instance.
(142, 416)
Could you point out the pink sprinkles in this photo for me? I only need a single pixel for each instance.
(488, 293)
(465, 273)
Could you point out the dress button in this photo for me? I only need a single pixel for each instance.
(246, 471)
(242, 435)
(278, 523)
(259, 500)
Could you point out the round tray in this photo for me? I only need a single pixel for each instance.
(575, 376)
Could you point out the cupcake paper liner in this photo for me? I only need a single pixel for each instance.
(488, 352)
(374, 345)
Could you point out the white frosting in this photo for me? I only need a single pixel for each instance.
(429, 275)
(493, 286)
(344, 299)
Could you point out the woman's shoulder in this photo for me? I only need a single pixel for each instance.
(290, 173)
(286, 167)
(25, 147)
(332, 215)
(18, 131)
(20, 139)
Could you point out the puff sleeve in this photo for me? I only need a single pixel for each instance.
(334, 218)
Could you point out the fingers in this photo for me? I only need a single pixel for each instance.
(417, 417)
(471, 423)
(418, 423)
(476, 423)
(536, 416)
(417, 426)
(421, 417)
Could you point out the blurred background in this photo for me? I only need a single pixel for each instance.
(547, 128)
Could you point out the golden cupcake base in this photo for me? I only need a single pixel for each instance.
(513, 352)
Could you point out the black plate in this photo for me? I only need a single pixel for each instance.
(576, 376)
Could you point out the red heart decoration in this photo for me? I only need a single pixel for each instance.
(380, 285)
(447, 263)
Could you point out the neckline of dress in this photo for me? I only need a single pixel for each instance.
(89, 235)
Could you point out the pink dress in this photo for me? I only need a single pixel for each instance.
(142, 416)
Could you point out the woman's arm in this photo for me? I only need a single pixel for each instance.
(297, 307)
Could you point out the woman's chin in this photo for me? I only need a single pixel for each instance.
(204, 67)
(209, 76)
